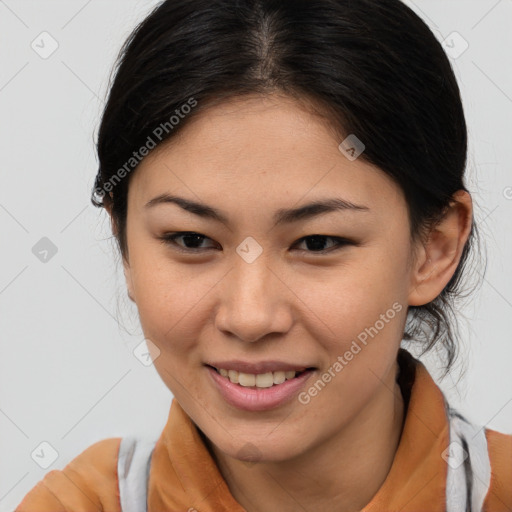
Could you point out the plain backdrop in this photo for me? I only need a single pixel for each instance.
(68, 375)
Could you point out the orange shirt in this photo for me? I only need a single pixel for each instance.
(183, 477)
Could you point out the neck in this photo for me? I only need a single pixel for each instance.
(344, 472)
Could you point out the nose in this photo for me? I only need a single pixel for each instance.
(254, 301)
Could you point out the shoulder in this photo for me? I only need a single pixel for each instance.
(499, 446)
(88, 482)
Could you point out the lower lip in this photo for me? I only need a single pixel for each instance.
(258, 399)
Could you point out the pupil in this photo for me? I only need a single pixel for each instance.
(317, 242)
(198, 238)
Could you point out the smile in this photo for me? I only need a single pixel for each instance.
(259, 391)
(260, 380)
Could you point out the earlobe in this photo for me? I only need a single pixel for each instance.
(440, 255)
(128, 279)
(113, 225)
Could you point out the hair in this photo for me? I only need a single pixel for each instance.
(372, 67)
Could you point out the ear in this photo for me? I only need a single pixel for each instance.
(126, 264)
(437, 258)
(108, 208)
(128, 279)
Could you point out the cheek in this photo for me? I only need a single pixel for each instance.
(354, 297)
(170, 308)
(360, 319)
(171, 315)
(168, 297)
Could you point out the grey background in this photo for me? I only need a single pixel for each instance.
(68, 375)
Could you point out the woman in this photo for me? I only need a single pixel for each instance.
(285, 181)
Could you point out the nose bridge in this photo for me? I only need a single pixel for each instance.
(251, 280)
(251, 303)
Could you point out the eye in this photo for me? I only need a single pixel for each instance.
(192, 242)
(316, 243)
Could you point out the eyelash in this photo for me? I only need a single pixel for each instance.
(169, 239)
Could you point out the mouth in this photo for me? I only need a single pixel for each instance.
(262, 386)
(260, 380)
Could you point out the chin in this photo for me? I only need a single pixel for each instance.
(259, 448)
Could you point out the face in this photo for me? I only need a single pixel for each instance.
(325, 290)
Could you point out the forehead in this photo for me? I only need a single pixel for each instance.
(258, 152)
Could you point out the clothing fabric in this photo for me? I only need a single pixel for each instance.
(444, 463)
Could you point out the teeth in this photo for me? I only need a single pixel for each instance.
(279, 377)
(246, 379)
(262, 380)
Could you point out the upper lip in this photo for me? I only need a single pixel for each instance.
(258, 367)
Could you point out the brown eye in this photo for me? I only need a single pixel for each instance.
(316, 243)
(191, 241)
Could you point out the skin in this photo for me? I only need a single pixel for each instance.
(248, 158)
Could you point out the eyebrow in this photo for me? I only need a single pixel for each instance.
(282, 216)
